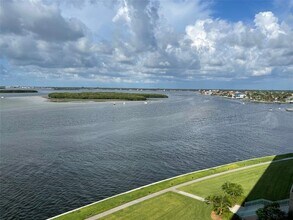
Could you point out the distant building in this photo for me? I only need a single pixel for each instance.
(240, 95)
(290, 99)
(248, 211)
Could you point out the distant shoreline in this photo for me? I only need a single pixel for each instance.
(267, 97)
(253, 101)
(18, 91)
(86, 100)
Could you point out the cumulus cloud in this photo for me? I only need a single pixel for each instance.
(240, 49)
(145, 46)
(141, 18)
(44, 21)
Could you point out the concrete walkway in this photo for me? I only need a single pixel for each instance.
(188, 195)
(174, 189)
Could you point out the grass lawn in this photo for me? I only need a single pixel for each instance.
(99, 207)
(167, 206)
(271, 182)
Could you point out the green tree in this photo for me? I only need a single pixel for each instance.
(270, 212)
(232, 189)
(220, 203)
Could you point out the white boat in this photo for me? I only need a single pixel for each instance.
(2, 97)
(289, 109)
(145, 103)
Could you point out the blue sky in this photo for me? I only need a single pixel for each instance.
(147, 43)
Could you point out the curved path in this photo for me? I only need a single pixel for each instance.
(174, 189)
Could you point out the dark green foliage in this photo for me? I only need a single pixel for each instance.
(234, 190)
(269, 96)
(270, 212)
(105, 95)
(17, 91)
(220, 203)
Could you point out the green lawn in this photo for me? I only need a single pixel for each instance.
(99, 207)
(271, 182)
(167, 206)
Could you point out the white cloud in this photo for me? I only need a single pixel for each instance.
(262, 72)
(143, 46)
(237, 49)
(268, 24)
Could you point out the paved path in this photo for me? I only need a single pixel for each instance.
(188, 195)
(174, 189)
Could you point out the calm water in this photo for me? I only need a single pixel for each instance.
(58, 156)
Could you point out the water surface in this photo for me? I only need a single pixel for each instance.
(59, 156)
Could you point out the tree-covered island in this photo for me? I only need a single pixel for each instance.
(100, 96)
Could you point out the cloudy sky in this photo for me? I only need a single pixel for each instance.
(147, 43)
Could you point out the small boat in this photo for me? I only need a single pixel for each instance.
(124, 103)
(145, 103)
(289, 109)
(2, 97)
(114, 103)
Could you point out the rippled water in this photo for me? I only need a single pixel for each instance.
(58, 156)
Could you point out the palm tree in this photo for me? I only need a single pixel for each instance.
(234, 190)
(221, 203)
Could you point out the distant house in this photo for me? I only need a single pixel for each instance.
(289, 99)
(240, 95)
(209, 92)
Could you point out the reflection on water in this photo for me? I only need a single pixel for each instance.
(59, 156)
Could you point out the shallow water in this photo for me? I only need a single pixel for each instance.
(59, 156)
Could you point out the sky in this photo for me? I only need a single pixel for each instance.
(245, 44)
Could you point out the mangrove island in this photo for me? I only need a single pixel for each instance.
(67, 96)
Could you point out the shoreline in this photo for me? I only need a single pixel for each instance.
(252, 101)
(91, 100)
(86, 100)
(163, 185)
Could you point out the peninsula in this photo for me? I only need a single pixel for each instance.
(102, 96)
(265, 96)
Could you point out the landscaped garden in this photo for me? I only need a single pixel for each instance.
(257, 183)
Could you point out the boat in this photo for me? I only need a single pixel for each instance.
(289, 109)
(145, 103)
